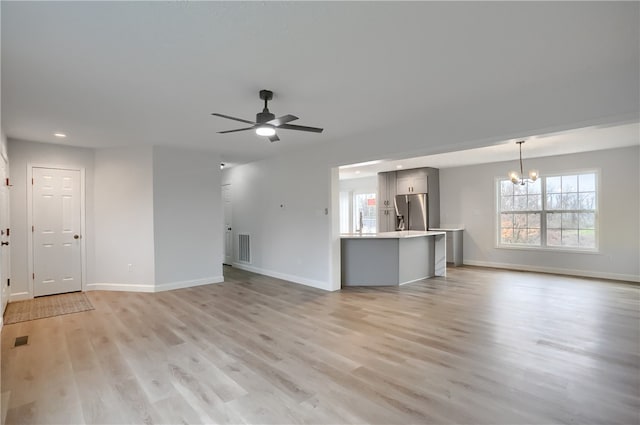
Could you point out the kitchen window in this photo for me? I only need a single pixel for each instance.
(556, 212)
(352, 205)
(364, 205)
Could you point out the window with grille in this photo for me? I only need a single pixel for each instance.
(557, 211)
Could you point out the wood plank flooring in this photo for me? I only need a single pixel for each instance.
(480, 346)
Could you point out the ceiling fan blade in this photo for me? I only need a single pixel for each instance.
(233, 118)
(301, 128)
(233, 131)
(282, 120)
(274, 138)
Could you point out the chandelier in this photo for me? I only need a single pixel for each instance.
(519, 178)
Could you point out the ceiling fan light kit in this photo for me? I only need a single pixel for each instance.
(519, 178)
(265, 130)
(266, 123)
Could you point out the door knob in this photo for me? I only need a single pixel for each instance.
(4, 243)
(76, 236)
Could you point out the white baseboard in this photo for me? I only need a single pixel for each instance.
(291, 278)
(19, 296)
(152, 288)
(188, 283)
(126, 287)
(555, 270)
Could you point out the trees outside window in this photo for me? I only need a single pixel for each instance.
(552, 212)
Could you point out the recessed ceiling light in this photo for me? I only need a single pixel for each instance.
(357, 171)
(398, 166)
(60, 135)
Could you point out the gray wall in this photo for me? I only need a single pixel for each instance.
(21, 153)
(153, 215)
(123, 194)
(187, 207)
(281, 203)
(467, 197)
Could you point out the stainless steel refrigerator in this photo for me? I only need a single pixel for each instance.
(411, 212)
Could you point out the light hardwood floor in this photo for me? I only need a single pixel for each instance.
(477, 347)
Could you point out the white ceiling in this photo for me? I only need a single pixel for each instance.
(127, 73)
(579, 140)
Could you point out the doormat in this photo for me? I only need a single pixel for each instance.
(49, 306)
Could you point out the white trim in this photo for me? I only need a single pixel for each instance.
(555, 270)
(188, 283)
(83, 245)
(415, 280)
(291, 278)
(127, 287)
(19, 296)
(544, 211)
(567, 250)
(132, 287)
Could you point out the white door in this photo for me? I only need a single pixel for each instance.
(228, 229)
(4, 236)
(57, 263)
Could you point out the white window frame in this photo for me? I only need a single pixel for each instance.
(353, 221)
(543, 216)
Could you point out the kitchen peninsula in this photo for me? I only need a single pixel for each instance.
(392, 258)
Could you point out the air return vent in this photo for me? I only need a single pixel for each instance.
(244, 248)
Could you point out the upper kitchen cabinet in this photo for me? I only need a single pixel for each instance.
(409, 182)
(386, 189)
(412, 181)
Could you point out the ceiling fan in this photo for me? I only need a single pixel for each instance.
(266, 123)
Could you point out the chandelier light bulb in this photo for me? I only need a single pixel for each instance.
(518, 178)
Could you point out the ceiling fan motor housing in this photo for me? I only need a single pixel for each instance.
(264, 116)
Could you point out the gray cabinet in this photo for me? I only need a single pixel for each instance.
(386, 189)
(422, 180)
(406, 182)
(386, 198)
(386, 220)
(412, 181)
(454, 245)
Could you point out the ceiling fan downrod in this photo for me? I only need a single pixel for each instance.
(265, 115)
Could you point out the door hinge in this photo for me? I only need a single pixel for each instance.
(8, 182)
(33, 228)
(8, 282)
(7, 231)
(32, 181)
(33, 276)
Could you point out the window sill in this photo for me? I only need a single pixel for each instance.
(548, 249)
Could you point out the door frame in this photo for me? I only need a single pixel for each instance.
(226, 254)
(5, 274)
(83, 245)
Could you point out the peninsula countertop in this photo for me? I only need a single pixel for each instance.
(402, 234)
(392, 258)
